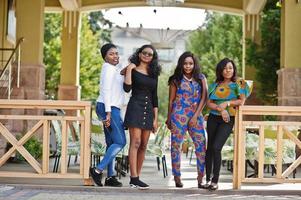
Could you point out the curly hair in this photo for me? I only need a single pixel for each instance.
(154, 68)
(179, 71)
(220, 68)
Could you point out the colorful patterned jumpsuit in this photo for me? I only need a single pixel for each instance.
(188, 97)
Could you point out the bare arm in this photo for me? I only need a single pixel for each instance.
(155, 123)
(203, 99)
(128, 74)
(193, 120)
(233, 103)
(222, 107)
(127, 86)
(155, 107)
(172, 96)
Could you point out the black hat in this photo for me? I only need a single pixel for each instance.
(105, 48)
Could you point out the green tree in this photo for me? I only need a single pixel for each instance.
(219, 37)
(266, 56)
(52, 53)
(163, 91)
(91, 38)
(98, 24)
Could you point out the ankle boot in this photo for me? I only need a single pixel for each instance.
(200, 182)
(213, 186)
(178, 182)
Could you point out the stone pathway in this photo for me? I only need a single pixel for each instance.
(96, 193)
(161, 188)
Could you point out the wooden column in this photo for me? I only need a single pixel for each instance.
(69, 88)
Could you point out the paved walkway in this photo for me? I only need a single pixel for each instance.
(161, 188)
(35, 192)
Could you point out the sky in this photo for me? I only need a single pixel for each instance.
(157, 17)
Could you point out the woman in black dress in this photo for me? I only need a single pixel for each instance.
(142, 111)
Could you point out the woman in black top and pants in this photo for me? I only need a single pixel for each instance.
(142, 111)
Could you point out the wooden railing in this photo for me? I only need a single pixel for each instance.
(41, 169)
(282, 176)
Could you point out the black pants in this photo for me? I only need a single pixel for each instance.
(218, 132)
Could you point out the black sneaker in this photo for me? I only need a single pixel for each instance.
(113, 182)
(136, 183)
(96, 176)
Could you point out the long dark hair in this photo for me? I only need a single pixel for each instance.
(220, 68)
(179, 71)
(154, 68)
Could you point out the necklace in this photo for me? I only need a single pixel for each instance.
(188, 79)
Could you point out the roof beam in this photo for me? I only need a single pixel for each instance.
(254, 6)
(70, 4)
(229, 6)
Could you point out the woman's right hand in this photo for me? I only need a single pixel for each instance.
(223, 105)
(168, 123)
(107, 121)
(225, 116)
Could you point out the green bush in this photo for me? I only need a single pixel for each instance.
(33, 146)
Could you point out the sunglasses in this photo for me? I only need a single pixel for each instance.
(147, 54)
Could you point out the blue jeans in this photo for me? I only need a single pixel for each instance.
(115, 137)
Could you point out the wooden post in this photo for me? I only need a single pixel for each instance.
(235, 157)
(279, 151)
(82, 146)
(87, 144)
(64, 147)
(46, 133)
(240, 146)
(261, 152)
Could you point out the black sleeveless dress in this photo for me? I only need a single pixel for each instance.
(139, 112)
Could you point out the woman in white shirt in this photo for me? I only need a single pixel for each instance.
(108, 106)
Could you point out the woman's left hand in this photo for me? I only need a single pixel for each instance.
(193, 121)
(225, 116)
(155, 126)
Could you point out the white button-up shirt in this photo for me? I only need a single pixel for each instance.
(111, 86)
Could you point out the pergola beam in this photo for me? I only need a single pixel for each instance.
(228, 6)
(70, 4)
(254, 6)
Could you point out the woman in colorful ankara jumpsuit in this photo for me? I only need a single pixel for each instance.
(187, 97)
